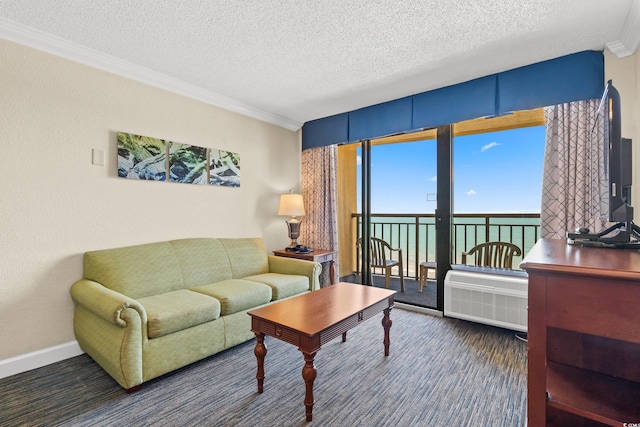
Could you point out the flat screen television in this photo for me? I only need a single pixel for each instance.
(618, 174)
(618, 151)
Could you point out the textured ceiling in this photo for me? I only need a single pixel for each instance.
(291, 61)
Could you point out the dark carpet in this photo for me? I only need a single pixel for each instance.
(441, 372)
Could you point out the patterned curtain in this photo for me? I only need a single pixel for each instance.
(574, 185)
(320, 227)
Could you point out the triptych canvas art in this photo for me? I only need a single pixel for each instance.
(145, 158)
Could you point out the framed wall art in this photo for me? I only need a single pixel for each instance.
(224, 168)
(141, 157)
(152, 159)
(187, 163)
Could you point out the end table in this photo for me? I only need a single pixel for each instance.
(318, 255)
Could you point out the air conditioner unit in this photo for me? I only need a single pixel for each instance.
(493, 299)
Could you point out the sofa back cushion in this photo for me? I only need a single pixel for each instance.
(156, 268)
(247, 256)
(135, 271)
(202, 261)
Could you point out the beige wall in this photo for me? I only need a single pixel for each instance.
(625, 73)
(55, 205)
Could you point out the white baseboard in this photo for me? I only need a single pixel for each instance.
(38, 359)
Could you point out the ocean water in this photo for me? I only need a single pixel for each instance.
(415, 234)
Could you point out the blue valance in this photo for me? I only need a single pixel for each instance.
(472, 99)
(556, 81)
(565, 79)
(334, 129)
(380, 119)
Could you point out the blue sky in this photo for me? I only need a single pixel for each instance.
(493, 172)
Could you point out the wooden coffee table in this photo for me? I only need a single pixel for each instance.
(308, 321)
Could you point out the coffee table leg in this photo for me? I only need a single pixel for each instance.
(386, 324)
(309, 373)
(260, 351)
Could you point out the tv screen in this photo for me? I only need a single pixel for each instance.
(618, 152)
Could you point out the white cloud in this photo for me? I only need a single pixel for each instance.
(434, 178)
(358, 160)
(489, 146)
(471, 192)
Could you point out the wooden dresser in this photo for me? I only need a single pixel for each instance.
(584, 335)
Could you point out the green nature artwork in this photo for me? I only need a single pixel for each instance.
(141, 157)
(224, 168)
(145, 158)
(187, 163)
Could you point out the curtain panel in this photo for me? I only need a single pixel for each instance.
(574, 184)
(320, 228)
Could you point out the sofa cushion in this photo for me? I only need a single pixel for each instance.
(135, 271)
(282, 285)
(202, 261)
(247, 256)
(174, 311)
(236, 294)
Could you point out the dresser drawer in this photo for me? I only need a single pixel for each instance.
(595, 306)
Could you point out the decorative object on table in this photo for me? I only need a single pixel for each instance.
(292, 205)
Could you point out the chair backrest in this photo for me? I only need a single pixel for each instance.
(493, 254)
(378, 251)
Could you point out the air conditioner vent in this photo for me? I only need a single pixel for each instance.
(498, 300)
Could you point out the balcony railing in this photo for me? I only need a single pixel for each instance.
(415, 234)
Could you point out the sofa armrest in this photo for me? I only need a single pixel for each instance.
(299, 267)
(104, 302)
(111, 328)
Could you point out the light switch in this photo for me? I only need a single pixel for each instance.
(97, 157)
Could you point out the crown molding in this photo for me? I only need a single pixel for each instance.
(64, 48)
(629, 40)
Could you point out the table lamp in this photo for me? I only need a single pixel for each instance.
(292, 205)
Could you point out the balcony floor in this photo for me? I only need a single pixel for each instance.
(426, 298)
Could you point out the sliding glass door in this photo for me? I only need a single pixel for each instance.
(397, 187)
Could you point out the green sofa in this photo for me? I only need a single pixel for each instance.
(142, 311)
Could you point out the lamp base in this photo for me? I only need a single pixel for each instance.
(294, 232)
(293, 246)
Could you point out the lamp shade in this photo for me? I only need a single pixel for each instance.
(291, 205)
